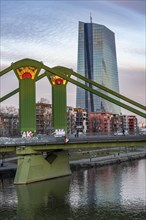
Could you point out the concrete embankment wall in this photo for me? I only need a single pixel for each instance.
(105, 162)
(9, 169)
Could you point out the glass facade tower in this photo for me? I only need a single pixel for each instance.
(97, 61)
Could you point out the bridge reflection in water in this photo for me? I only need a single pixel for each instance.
(35, 199)
(110, 192)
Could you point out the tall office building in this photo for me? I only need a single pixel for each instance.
(97, 61)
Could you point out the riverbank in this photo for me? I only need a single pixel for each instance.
(107, 160)
(9, 167)
(8, 170)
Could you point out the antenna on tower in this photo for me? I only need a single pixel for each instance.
(90, 18)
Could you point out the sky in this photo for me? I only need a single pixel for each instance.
(47, 31)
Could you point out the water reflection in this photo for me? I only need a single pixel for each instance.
(43, 198)
(118, 190)
(8, 199)
(95, 186)
(134, 177)
(108, 193)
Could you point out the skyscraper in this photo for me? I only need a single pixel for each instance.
(97, 61)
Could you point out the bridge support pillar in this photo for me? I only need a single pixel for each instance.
(34, 167)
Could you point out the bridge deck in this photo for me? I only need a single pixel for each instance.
(51, 143)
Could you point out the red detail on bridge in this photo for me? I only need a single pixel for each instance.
(26, 75)
(58, 81)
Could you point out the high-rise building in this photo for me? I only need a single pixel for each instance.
(97, 61)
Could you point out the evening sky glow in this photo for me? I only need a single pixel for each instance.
(48, 31)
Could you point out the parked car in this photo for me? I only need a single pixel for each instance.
(121, 133)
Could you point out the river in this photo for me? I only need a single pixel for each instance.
(111, 192)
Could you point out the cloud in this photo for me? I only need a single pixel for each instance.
(138, 6)
(31, 20)
(48, 31)
(135, 51)
(133, 84)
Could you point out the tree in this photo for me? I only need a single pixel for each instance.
(9, 110)
(43, 100)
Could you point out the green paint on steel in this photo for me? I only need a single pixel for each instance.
(108, 98)
(5, 70)
(105, 144)
(41, 76)
(14, 92)
(69, 71)
(59, 107)
(27, 105)
(134, 141)
(27, 94)
(30, 166)
(9, 95)
(109, 90)
(25, 150)
(34, 167)
(33, 196)
(7, 149)
(100, 94)
(26, 62)
(59, 98)
(64, 71)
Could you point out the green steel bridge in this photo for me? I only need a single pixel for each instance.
(52, 143)
(32, 166)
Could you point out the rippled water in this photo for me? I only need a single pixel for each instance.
(111, 192)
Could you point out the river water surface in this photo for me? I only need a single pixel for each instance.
(110, 192)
